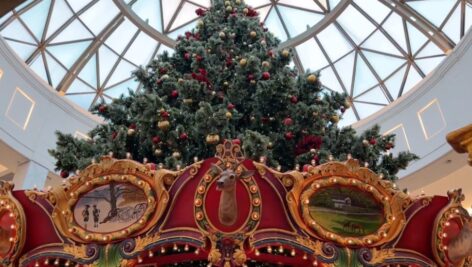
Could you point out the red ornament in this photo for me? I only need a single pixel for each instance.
(114, 135)
(342, 109)
(174, 94)
(316, 158)
(294, 99)
(187, 56)
(200, 12)
(156, 140)
(199, 58)
(164, 114)
(270, 53)
(250, 77)
(306, 167)
(183, 136)
(230, 106)
(265, 120)
(162, 70)
(229, 61)
(102, 108)
(152, 166)
(307, 143)
(288, 135)
(132, 126)
(389, 145)
(288, 121)
(236, 141)
(64, 174)
(373, 141)
(265, 75)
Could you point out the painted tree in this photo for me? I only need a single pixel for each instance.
(228, 80)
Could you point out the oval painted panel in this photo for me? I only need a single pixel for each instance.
(110, 208)
(346, 211)
(241, 199)
(6, 232)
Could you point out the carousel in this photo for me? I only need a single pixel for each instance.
(230, 211)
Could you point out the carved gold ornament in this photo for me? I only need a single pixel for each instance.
(349, 175)
(13, 238)
(108, 171)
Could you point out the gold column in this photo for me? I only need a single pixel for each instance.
(461, 140)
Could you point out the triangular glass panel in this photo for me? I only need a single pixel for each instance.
(122, 72)
(142, 49)
(169, 9)
(82, 100)
(39, 68)
(374, 8)
(356, 25)
(305, 4)
(394, 82)
(181, 31)
(365, 110)
(334, 42)
(330, 81)
(60, 14)
(468, 17)
(35, 18)
(149, 11)
(263, 12)
(121, 37)
(298, 21)
(333, 3)
(78, 87)
(67, 54)
(394, 27)
(433, 10)
(313, 58)
(382, 64)
(185, 15)
(431, 49)
(56, 71)
(379, 42)
(73, 32)
(364, 78)
(347, 118)
(16, 31)
(24, 51)
(107, 60)
(275, 25)
(345, 69)
(78, 5)
(417, 38)
(429, 64)
(122, 88)
(453, 25)
(373, 96)
(98, 17)
(413, 78)
(89, 72)
(257, 3)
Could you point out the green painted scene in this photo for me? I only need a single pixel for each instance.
(346, 211)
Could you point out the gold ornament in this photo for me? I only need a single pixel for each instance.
(270, 145)
(229, 115)
(238, 2)
(253, 82)
(188, 101)
(245, 10)
(176, 155)
(200, 23)
(158, 152)
(212, 139)
(285, 53)
(131, 131)
(222, 35)
(335, 118)
(163, 125)
(227, 3)
(243, 62)
(253, 34)
(229, 8)
(347, 104)
(181, 81)
(312, 78)
(265, 64)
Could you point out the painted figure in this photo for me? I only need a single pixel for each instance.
(226, 183)
(96, 216)
(86, 215)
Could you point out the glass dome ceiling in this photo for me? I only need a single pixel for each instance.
(374, 50)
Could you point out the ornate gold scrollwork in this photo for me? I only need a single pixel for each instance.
(453, 210)
(13, 238)
(108, 171)
(350, 175)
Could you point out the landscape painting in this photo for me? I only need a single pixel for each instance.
(110, 208)
(346, 211)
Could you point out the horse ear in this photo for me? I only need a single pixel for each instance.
(246, 174)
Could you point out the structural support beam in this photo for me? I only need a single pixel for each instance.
(7, 6)
(461, 141)
(423, 25)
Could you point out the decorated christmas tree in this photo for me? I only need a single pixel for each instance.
(228, 80)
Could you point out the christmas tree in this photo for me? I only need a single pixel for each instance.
(228, 80)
